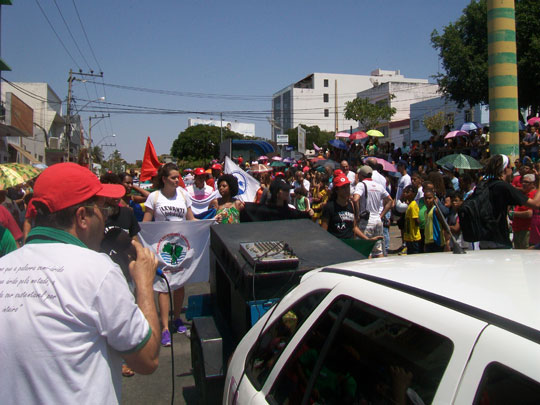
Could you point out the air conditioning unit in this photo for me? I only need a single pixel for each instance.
(54, 143)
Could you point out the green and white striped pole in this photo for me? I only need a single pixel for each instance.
(503, 93)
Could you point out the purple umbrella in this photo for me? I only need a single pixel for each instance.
(453, 134)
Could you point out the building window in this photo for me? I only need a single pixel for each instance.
(325, 82)
(326, 112)
(416, 125)
(467, 116)
(325, 97)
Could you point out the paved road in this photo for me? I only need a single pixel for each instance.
(156, 389)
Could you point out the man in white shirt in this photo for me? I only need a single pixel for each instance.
(376, 176)
(68, 315)
(368, 196)
(203, 197)
(344, 166)
(400, 206)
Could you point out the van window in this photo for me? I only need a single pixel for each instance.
(264, 354)
(502, 385)
(356, 353)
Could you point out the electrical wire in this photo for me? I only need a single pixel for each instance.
(55, 33)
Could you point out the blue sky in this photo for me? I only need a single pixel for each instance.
(228, 48)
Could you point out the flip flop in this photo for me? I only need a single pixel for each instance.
(126, 371)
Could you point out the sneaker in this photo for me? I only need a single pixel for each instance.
(403, 252)
(165, 338)
(179, 326)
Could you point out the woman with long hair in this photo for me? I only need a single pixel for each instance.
(228, 211)
(168, 203)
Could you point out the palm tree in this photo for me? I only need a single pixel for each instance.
(97, 154)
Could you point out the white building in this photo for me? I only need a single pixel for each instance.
(37, 110)
(244, 128)
(400, 96)
(319, 99)
(456, 116)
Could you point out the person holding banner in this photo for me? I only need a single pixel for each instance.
(169, 203)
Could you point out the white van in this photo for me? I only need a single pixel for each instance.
(432, 328)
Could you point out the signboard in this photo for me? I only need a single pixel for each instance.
(282, 139)
(301, 139)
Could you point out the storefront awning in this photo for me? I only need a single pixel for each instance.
(24, 153)
(262, 147)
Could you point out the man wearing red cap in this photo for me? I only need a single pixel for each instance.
(68, 317)
(217, 170)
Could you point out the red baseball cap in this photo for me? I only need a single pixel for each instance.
(305, 169)
(338, 172)
(199, 171)
(66, 184)
(279, 174)
(217, 166)
(341, 181)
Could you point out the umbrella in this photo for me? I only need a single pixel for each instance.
(387, 166)
(460, 161)
(336, 143)
(453, 134)
(532, 120)
(316, 147)
(277, 158)
(342, 135)
(41, 166)
(259, 168)
(375, 133)
(358, 135)
(277, 163)
(288, 160)
(327, 162)
(470, 126)
(12, 174)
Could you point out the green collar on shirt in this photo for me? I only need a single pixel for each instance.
(43, 234)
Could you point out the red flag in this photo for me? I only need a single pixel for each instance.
(150, 163)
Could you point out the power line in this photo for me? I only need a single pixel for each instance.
(86, 36)
(55, 33)
(71, 34)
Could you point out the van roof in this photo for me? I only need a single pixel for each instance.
(505, 283)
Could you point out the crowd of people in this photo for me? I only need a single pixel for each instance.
(54, 228)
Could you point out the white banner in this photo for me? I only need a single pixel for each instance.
(182, 248)
(200, 202)
(301, 139)
(247, 184)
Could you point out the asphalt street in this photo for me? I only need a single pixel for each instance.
(157, 387)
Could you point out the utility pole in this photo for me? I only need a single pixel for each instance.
(221, 126)
(503, 93)
(336, 114)
(71, 78)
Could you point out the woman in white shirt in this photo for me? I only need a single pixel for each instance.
(169, 203)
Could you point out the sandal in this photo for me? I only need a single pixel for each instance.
(126, 371)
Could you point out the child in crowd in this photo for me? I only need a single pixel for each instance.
(301, 202)
(434, 236)
(411, 230)
(453, 220)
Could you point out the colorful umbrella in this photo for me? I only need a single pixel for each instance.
(358, 135)
(453, 134)
(259, 168)
(262, 158)
(532, 120)
(375, 133)
(12, 174)
(277, 158)
(460, 161)
(342, 135)
(387, 166)
(336, 143)
(277, 163)
(288, 160)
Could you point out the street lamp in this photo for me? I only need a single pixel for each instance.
(68, 120)
(105, 137)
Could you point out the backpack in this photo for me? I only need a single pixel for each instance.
(476, 216)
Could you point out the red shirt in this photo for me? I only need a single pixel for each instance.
(522, 224)
(7, 221)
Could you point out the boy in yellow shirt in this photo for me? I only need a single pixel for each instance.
(411, 231)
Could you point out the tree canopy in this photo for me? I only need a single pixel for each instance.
(436, 122)
(463, 49)
(313, 135)
(200, 142)
(368, 114)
